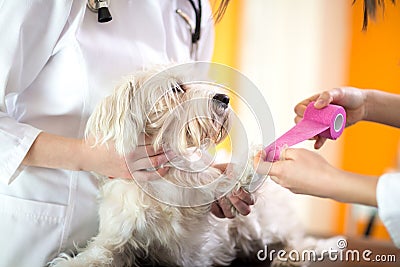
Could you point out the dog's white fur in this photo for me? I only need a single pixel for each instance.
(136, 228)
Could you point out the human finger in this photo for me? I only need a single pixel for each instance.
(243, 195)
(301, 106)
(241, 207)
(261, 166)
(257, 157)
(144, 140)
(143, 152)
(226, 207)
(297, 119)
(163, 171)
(299, 109)
(289, 153)
(327, 97)
(276, 169)
(216, 210)
(320, 141)
(149, 163)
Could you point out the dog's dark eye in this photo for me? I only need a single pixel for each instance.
(179, 89)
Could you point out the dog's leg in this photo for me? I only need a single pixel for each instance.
(99, 252)
(119, 215)
(92, 256)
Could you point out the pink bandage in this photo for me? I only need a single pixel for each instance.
(328, 122)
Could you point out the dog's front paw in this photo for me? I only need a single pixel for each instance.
(63, 260)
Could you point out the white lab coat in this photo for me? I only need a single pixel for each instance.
(56, 63)
(388, 198)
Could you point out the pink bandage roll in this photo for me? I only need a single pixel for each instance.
(327, 122)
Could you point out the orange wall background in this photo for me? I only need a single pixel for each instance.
(374, 62)
(227, 48)
(227, 35)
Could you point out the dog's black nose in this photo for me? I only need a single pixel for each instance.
(222, 98)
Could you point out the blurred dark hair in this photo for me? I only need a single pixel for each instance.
(370, 7)
(221, 10)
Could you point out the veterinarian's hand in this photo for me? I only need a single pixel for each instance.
(234, 202)
(352, 99)
(103, 159)
(299, 170)
(145, 164)
(306, 172)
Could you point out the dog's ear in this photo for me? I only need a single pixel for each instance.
(113, 119)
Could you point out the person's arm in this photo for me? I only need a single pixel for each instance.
(355, 188)
(360, 104)
(53, 151)
(58, 152)
(382, 107)
(305, 172)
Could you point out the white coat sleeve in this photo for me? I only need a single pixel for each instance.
(388, 198)
(29, 31)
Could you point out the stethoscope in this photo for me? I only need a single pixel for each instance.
(104, 15)
(194, 28)
(101, 8)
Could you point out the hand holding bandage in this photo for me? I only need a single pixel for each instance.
(297, 167)
(306, 172)
(327, 122)
(301, 171)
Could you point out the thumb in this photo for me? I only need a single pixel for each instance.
(261, 166)
(269, 168)
(276, 168)
(320, 103)
(323, 100)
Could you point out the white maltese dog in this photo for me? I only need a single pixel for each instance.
(138, 223)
